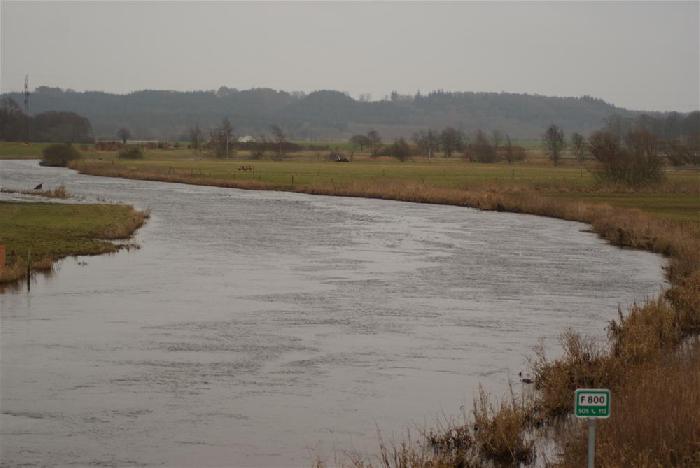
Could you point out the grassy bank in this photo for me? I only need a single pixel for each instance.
(48, 232)
(19, 150)
(438, 181)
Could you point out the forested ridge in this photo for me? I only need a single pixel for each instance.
(153, 114)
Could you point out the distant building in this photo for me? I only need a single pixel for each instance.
(246, 139)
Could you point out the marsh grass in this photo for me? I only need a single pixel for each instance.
(47, 232)
(655, 417)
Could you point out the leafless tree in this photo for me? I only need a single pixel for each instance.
(123, 134)
(360, 140)
(578, 145)
(428, 142)
(280, 138)
(196, 136)
(375, 141)
(451, 140)
(554, 143)
(482, 149)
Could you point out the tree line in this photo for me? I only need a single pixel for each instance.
(222, 142)
(322, 114)
(51, 126)
(480, 146)
(633, 151)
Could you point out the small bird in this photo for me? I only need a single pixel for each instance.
(38, 187)
(525, 380)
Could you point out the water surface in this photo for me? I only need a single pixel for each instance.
(262, 329)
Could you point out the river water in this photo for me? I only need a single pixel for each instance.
(265, 329)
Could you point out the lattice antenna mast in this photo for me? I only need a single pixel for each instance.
(26, 94)
(26, 105)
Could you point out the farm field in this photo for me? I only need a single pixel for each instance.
(677, 198)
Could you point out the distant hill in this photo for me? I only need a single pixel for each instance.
(322, 114)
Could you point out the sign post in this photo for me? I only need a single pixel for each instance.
(591, 404)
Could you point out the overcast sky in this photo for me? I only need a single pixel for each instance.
(639, 55)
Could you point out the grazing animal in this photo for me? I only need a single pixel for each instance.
(525, 380)
(38, 187)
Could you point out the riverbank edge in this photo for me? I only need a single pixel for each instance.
(121, 228)
(624, 227)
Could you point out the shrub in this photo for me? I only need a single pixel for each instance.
(400, 149)
(59, 155)
(635, 161)
(584, 364)
(130, 152)
(499, 430)
(481, 149)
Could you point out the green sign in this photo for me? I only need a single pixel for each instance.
(592, 403)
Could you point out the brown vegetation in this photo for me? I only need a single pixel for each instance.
(655, 418)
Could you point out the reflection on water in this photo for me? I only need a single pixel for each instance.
(263, 328)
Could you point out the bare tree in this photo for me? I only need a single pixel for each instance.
(509, 154)
(554, 143)
(497, 138)
(360, 140)
(123, 134)
(399, 149)
(196, 136)
(375, 141)
(221, 139)
(482, 149)
(635, 161)
(451, 140)
(226, 131)
(578, 145)
(280, 138)
(428, 142)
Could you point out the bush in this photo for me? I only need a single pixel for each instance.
(500, 430)
(481, 149)
(633, 162)
(130, 152)
(399, 149)
(59, 155)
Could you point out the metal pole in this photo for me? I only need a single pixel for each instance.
(591, 442)
(29, 270)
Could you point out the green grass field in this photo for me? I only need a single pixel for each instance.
(45, 232)
(17, 150)
(678, 198)
(56, 230)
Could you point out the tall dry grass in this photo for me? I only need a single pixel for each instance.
(655, 418)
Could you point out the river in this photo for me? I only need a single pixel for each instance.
(264, 329)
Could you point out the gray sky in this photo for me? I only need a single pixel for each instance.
(639, 55)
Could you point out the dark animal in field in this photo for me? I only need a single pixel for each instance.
(245, 168)
(38, 187)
